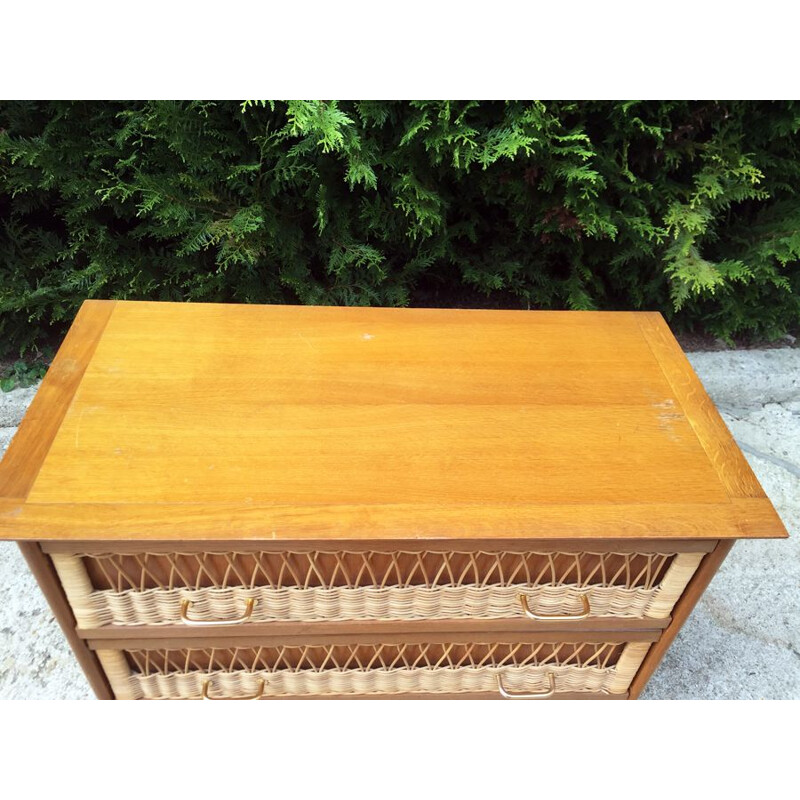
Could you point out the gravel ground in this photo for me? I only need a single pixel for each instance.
(741, 642)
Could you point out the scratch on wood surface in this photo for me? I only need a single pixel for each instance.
(78, 428)
(666, 422)
(699, 410)
(307, 342)
(668, 403)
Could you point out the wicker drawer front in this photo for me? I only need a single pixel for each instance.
(538, 668)
(172, 588)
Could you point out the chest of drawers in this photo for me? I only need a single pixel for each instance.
(273, 501)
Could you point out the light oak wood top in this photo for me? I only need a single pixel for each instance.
(198, 421)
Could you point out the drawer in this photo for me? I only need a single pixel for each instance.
(535, 669)
(191, 588)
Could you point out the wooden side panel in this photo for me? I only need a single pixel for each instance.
(43, 571)
(683, 608)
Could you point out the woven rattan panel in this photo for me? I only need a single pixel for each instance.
(148, 588)
(326, 569)
(373, 656)
(373, 669)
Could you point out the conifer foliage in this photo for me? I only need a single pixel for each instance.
(690, 208)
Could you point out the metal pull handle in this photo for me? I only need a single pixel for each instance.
(551, 681)
(523, 599)
(186, 605)
(257, 696)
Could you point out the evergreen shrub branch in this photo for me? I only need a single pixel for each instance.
(690, 208)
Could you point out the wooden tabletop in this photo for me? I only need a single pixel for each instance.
(200, 421)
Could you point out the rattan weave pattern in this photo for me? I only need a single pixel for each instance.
(648, 591)
(376, 669)
(405, 655)
(349, 568)
(435, 681)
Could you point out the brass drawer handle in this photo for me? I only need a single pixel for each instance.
(257, 696)
(523, 599)
(551, 680)
(186, 605)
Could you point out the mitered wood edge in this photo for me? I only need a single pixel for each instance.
(720, 447)
(738, 518)
(29, 447)
(749, 514)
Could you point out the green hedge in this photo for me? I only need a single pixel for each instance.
(691, 208)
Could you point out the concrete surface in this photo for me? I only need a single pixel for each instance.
(36, 662)
(741, 642)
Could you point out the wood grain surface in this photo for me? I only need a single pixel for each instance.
(709, 427)
(45, 414)
(281, 422)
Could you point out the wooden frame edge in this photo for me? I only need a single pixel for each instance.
(428, 522)
(683, 608)
(377, 545)
(345, 638)
(710, 429)
(42, 569)
(28, 449)
(492, 628)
